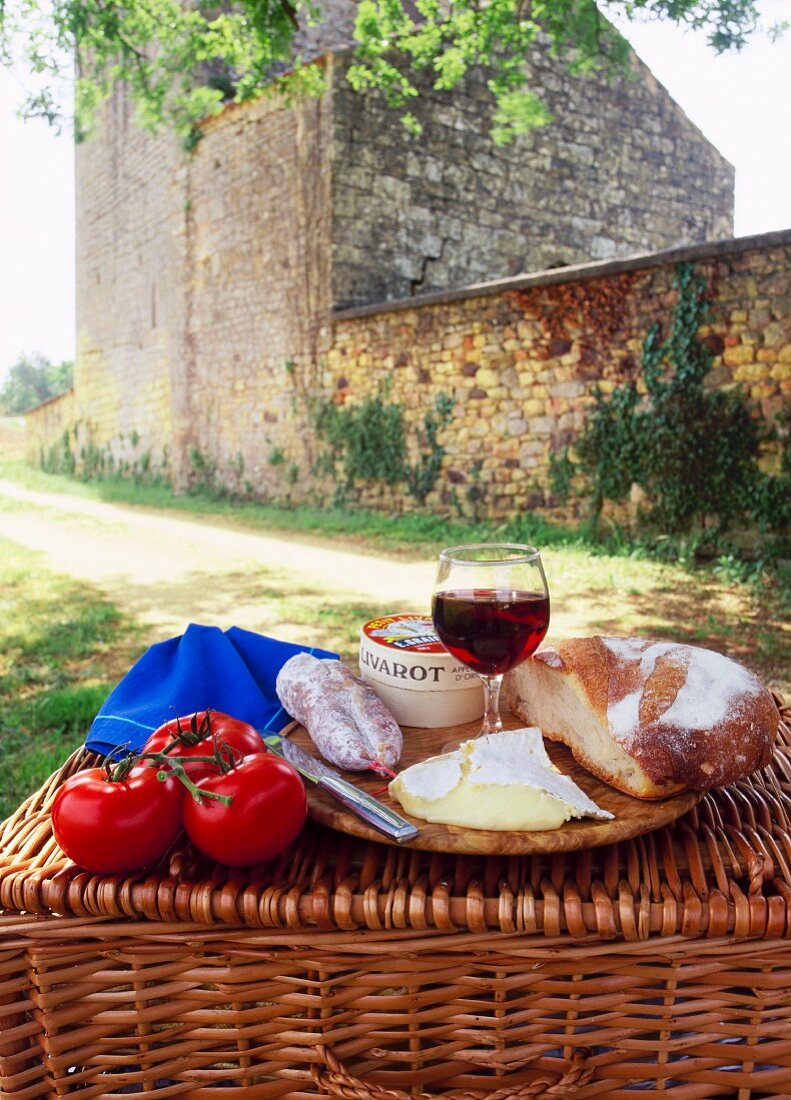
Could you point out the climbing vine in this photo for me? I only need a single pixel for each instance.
(422, 475)
(75, 453)
(693, 451)
(368, 443)
(363, 442)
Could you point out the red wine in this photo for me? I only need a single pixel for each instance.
(491, 631)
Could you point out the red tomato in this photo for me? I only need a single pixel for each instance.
(268, 811)
(198, 731)
(115, 827)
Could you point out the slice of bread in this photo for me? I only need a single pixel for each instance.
(650, 718)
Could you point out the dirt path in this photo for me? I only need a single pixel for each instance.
(167, 570)
(170, 570)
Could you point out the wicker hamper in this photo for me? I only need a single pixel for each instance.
(656, 966)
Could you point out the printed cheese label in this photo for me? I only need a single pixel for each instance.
(412, 633)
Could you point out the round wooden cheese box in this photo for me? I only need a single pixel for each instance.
(413, 674)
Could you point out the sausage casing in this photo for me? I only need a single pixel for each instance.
(349, 725)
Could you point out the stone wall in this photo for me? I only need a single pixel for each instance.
(48, 430)
(206, 283)
(520, 359)
(257, 302)
(131, 333)
(621, 169)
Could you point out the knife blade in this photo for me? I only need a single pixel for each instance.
(364, 805)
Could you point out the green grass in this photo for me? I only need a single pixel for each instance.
(62, 647)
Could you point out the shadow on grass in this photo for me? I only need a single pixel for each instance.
(62, 646)
(267, 603)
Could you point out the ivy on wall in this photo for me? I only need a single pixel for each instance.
(692, 451)
(368, 443)
(76, 454)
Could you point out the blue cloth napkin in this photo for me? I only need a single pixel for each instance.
(233, 671)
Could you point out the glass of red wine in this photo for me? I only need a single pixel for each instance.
(491, 611)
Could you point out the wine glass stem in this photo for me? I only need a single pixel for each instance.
(492, 723)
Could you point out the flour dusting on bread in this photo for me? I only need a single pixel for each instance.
(716, 688)
(713, 689)
(623, 711)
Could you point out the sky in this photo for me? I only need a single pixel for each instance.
(742, 103)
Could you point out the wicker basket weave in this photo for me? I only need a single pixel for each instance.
(660, 965)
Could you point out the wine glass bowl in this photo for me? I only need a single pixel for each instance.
(491, 611)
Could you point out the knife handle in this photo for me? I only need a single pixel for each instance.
(370, 809)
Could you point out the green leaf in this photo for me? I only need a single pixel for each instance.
(180, 63)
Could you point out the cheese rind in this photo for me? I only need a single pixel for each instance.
(502, 781)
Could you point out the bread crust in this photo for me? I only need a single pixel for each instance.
(687, 718)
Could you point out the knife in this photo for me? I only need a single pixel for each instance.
(364, 805)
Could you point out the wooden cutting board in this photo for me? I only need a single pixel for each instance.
(632, 815)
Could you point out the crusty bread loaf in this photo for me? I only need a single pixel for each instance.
(650, 718)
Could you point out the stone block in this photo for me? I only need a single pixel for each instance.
(776, 334)
(541, 425)
(486, 377)
(567, 390)
(738, 355)
(750, 372)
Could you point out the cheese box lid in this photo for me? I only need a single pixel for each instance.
(403, 650)
(406, 633)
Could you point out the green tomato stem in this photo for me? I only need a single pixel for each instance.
(173, 767)
(177, 769)
(119, 772)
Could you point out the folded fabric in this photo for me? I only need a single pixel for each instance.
(233, 671)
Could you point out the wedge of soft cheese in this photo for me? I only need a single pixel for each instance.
(503, 781)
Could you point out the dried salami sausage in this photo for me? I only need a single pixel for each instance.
(347, 722)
